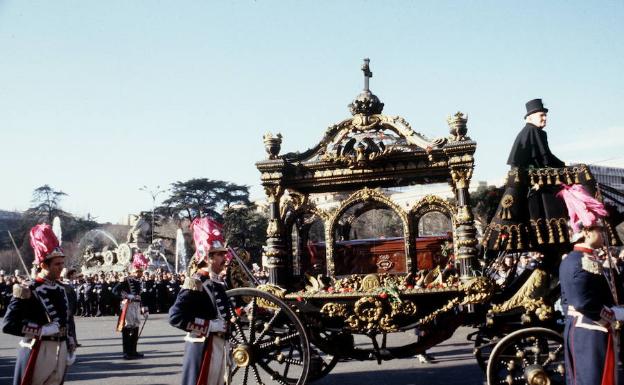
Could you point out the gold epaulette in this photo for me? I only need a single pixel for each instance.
(591, 265)
(21, 292)
(192, 283)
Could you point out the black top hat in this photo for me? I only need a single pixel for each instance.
(535, 105)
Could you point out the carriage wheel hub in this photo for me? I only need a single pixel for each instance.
(242, 355)
(536, 375)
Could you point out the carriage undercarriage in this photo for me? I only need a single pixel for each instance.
(289, 338)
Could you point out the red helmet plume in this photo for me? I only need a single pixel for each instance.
(583, 209)
(44, 243)
(139, 261)
(208, 237)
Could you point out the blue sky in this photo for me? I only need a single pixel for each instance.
(98, 98)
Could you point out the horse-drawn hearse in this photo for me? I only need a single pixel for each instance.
(350, 253)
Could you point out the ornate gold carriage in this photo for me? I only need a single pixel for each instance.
(332, 278)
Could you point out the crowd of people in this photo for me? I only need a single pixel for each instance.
(95, 297)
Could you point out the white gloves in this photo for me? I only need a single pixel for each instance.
(216, 326)
(71, 358)
(618, 312)
(50, 329)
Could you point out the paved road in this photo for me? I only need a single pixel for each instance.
(100, 363)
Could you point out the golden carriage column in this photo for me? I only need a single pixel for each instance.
(275, 252)
(461, 172)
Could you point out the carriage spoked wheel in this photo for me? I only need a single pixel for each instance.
(484, 344)
(322, 363)
(532, 356)
(268, 342)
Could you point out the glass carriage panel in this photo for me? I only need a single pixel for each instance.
(307, 233)
(369, 238)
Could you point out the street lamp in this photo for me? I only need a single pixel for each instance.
(153, 193)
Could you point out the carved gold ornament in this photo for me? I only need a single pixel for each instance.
(272, 144)
(478, 290)
(506, 203)
(332, 309)
(464, 215)
(457, 126)
(271, 289)
(241, 356)
(274, 228)
(273, 193)
(461, 177)
(370, 282)
(368, 309)
(530, 297)
(404, 307)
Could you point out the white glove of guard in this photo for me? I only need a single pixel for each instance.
(618, 312)
(71, 358)
(216, 326)
(50, 329)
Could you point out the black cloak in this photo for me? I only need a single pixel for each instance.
(530, 149)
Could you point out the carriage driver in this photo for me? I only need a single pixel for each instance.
(201, 309)
(588, 295)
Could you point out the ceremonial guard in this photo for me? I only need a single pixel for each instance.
(202, 307)
(40, 313)
(129, 290)
(589, 293)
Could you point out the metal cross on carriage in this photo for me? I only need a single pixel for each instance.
(331, 277)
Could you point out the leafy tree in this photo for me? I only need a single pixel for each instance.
(46, 206)
(46, 203)
(245, 227)
(200, 197)
(484, 203)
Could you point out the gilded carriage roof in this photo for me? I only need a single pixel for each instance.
(369, 148)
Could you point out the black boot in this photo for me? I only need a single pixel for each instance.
(125, 341)
(134, 340)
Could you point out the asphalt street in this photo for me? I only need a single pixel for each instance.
(99, 360)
